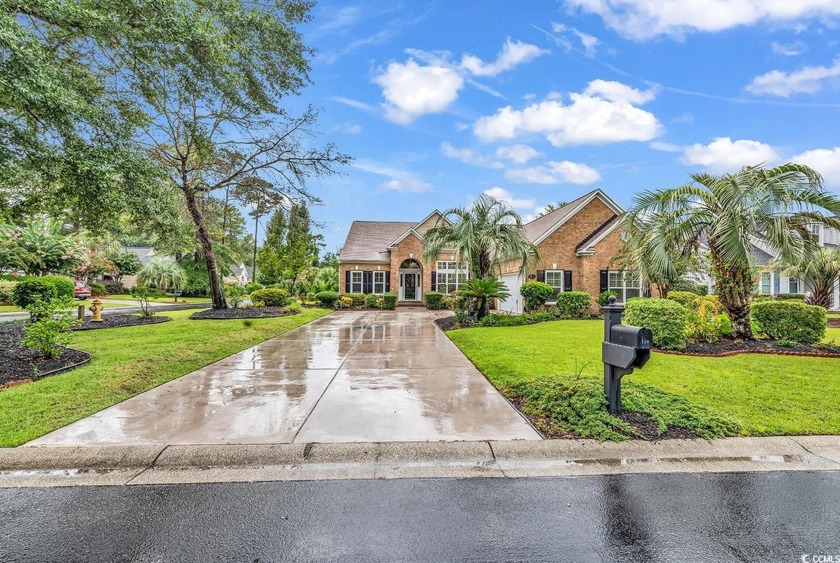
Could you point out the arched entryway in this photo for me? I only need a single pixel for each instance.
(411, 280)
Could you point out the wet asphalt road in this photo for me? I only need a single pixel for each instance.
(669, 518)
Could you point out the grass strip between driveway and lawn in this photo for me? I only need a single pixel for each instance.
(126, 362)
(554, 370)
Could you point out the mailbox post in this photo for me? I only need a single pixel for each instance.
(624, 348)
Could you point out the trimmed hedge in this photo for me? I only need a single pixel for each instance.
(46, 288)
(327, 298)
(789, 321)
(791, 297)
(666, 319)
(690, 301)
(604, 298)
(535, 294)
(434, 300)
(573, 304)
(7, 289)
(271, 297)
(97, 289)
(251, 287)
(389, 300)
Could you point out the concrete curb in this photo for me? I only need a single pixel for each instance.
(157, 464)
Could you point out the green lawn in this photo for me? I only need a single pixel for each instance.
(164, 299)
(105, 305)
(128, 361)
(763, 394)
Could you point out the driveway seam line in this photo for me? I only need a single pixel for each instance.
(810, 452)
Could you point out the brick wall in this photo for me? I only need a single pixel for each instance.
(365, 267)
(410, 247)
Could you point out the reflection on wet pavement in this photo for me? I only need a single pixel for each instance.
(348, 377)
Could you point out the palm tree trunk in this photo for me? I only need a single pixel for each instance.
(734, 287)
(821, 295)
(216, 292)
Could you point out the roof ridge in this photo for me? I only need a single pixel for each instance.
(550, 213)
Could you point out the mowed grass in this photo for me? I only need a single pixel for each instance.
(126, 362)
(764, 394)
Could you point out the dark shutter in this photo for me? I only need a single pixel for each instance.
(605, 280)
(387, 281)
(567, 280)
(541, 276)
(367, 282)
(347, 281)
(434, 281)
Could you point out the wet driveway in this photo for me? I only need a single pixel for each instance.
(348, 377)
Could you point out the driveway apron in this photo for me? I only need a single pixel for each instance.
(356, 376)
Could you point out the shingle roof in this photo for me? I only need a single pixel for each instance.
(606, 225)
(368, 240)
(760, 257)
(539, 226)
(144, 253)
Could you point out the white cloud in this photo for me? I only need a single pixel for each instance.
(645, 19)
(348, 128)
(665, 147)
(513, 53)
(412, 90)
(518, 154)
(399, 180)
(516, 202)
(590, 42)
(468, 156)
(789, 49)
(356, 104)
(807, 80)
(553, 172)
(603, 113)
(725, 155)
(824, 161)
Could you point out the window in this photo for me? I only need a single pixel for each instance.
(379, 282)
(450, 275)
(793, 285)
(356, 282)
(765, 282)
(554, 278)
(625, 284)
(815, 230)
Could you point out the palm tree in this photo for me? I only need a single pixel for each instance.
(552, 207)
(822, 269)
(163, 273)
(724, 213)
(482, 291)
(484, 236)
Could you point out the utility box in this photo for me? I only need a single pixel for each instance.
(624, 349)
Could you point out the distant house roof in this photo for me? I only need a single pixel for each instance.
(760, 257)
(368, 241)
(143, 253)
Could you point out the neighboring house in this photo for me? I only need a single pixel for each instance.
(240, 274)
(144, 254)
(577, 243)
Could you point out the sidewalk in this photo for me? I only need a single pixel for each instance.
(144, 465)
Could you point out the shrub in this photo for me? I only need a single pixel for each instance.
(761, 297)
(49, 332)
(790, 320)
(705, 322)
(665, 318)
(97, 290)
(573, 304)
(434, 300)
(380, 302)
(294, 307)
(113, 287)
(690, 301)
(45, 288)
(689, 286)
(370, 300)
(604, 298)
(144, 296)
(358, 299)
(251, 287)
(271, 297)
(327, 298)
(535, 294)
(449, 302)
(345, 302)
(389, 300)
(235, 294)
(791, 297)
(7, 289)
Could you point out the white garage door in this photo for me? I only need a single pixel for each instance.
(513, 304)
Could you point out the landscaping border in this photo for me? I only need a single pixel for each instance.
(738, 352)
(49, 373)
(89, 325)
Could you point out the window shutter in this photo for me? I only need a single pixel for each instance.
(367, 282)
(567, 280)
(605, 276)
(541, 276)
(347, 281)
(434, 281)
(387, 281)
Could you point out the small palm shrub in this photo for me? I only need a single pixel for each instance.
(789, 320)
(271, 297)
(327, 298)
(163, 273)
(434, 300)
(573, 305)
(666, 319)
(535, 294)
(480, 292)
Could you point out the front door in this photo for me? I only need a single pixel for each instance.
(410, 287)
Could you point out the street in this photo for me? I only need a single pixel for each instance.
(778, 516)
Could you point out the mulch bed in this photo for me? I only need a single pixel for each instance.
(119, 321)
(240, 313)
(446, 323)
(834, 322)
(730, 347)
(19, 364)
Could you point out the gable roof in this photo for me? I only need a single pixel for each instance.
(541, 227)
(368, 241)
(593, 238)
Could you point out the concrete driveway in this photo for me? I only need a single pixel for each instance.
(348, 377)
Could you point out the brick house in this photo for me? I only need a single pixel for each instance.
(577, 243)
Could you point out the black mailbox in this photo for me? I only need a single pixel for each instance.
(624, 348)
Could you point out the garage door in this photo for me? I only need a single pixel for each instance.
(513, 304)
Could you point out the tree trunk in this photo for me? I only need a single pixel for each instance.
(216, 291)
(821, 295)
(733, 286)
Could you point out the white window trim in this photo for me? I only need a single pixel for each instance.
(379, 274)
(798, 285)
(769, 276)
(460, 269)
(353, 281)
(561, 287)
(621, 296)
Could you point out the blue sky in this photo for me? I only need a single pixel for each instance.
(542, 101)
